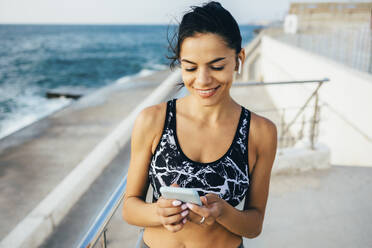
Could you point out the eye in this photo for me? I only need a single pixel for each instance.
(218, 68)
(190, 69)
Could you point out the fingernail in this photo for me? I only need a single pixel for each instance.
(184, 206)
(184, 213)
(189, 205)
(176, 203)
(184, 221)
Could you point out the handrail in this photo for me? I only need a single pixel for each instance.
(238, 84)
(252, 45)
(99, 225)
(250, 53)
(285, 128)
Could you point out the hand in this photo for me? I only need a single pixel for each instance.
(172, 213)
(212, 209)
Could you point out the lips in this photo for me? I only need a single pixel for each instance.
(207, 92)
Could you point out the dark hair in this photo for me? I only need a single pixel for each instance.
(211, 17)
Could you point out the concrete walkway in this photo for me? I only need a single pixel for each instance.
(34, 160)
(325, 208)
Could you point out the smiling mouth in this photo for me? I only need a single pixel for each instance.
(207, 92)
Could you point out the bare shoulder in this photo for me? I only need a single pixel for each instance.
(151, 117)
(263, 132)
(262, 124)
(150, 122)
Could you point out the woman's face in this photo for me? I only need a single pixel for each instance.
(208, 66)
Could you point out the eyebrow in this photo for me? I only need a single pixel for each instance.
(210, 62)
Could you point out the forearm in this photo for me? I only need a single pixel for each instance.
(247, 223)
(139, 213)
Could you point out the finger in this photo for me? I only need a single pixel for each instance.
(171, 211)
(168, 203)
(204, 200)
(193, 217)
(174, 228)
(200, 210)
(175, 185)
(212, 197)
(175, 219)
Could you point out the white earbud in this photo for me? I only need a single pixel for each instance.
(240, 66)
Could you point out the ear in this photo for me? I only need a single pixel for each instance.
(241, 55)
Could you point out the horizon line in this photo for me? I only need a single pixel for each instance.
(119, 24)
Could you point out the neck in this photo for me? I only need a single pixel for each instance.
(210, 113)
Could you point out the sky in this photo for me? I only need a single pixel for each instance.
(135, 12)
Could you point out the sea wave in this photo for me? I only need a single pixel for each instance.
(143, 73)
(31, 107)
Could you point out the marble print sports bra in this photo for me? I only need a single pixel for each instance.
(227, 177)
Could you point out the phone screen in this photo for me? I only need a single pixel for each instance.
(181, 194)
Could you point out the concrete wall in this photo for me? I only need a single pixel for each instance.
(329, 15)
(346, 118)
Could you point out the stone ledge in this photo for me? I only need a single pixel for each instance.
(301, 159)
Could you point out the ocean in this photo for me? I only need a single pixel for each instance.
(35, 59)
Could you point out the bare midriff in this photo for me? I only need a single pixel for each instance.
(191, 236)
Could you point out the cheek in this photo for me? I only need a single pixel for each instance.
(187, 78)
(227, 75)
(225, 78)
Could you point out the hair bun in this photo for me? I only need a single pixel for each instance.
(213, 4)
(212, 18)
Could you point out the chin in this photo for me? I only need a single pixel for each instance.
(204, 102)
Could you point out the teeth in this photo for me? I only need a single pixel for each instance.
(205, 92)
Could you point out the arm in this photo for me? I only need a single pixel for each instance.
(135, 210)
(249, 222)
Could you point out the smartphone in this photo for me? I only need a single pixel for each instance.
(181, 194)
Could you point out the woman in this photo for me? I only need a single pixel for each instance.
(201, 141)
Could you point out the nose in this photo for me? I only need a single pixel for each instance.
(203, 77)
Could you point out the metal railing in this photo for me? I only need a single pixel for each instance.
(285, 139)
(98, 229)
(252, 52)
